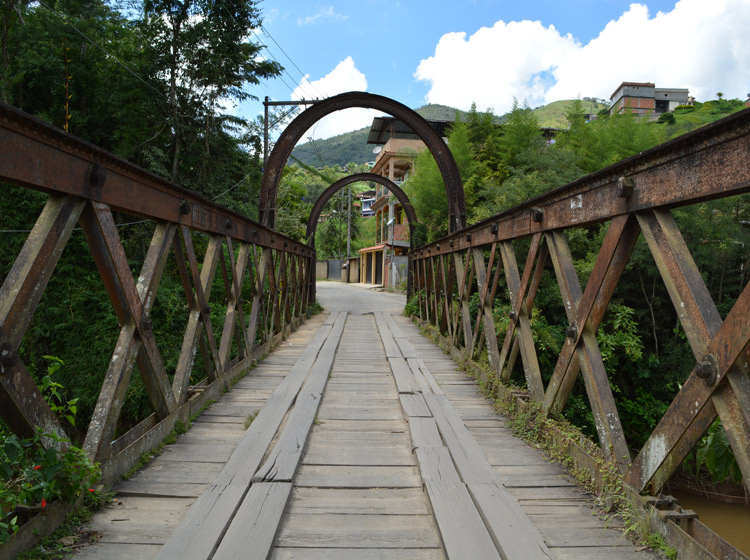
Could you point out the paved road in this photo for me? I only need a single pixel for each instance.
(357, 299)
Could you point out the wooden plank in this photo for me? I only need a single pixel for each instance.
(435, 464)
(514, 534)
(161, 489)
(357, 477)
(254, 527)
(359, 455)
(383, 501)
(469, 457)
(589, 537)
(358, 553)
(414, 406)
(196, 538)
(364, 412)
(424, 433)
(284, 459)
(350, 531)
(175, 473)
(389, 343)
(461, 528)
(420, 370)
(117, 551)
(402, 374)
(407, 350)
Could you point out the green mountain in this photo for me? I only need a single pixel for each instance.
(353, 146)
(553, 115)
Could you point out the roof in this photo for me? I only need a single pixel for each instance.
(373, 248)
(635, 84)
(384, 128)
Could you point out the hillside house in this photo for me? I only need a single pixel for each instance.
(644, 97)
(397, 147)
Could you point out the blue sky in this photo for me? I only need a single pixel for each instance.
(490, 51)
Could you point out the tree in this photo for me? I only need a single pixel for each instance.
(201, 52)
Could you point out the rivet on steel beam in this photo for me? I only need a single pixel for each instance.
(537, 214)
(146, 324)
(625, 187)
(97, 175)
(184, 207)
(468, 238)
(512, 315)
(571, 331)
(493, 229)
(8, 356)
(207, 310)
(707, 370)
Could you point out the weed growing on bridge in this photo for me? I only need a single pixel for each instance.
(249, 418)
(71, 535)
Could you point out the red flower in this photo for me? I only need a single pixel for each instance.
(92, 490)
(37, 468)
(44, 503)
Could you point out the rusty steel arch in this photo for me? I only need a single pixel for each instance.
(312, 222)
(289, 138)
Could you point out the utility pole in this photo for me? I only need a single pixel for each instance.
(268, 103)
(349, 224)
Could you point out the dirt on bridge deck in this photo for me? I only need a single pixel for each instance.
(365, 442)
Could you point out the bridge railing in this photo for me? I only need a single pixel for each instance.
(460, 279)
(267, 283)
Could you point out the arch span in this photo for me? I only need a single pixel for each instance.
(289, 138)
(312, 222)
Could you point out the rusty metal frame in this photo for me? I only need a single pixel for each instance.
(317, 209)
(636, 197)
(297, 128)
(87, 186)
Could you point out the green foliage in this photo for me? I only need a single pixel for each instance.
(715, 454)
(667, 118)
(35, 472)
(53, 392)
(412, 306)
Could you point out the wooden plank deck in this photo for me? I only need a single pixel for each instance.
(368, 444)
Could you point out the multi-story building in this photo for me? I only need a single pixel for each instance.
(645, 97)
(397, 147)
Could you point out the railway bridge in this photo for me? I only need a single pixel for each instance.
(350, 433)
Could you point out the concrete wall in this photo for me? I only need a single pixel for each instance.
(399, 268)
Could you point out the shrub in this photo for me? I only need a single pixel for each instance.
(34, 475)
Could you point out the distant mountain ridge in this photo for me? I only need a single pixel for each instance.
(353, 147)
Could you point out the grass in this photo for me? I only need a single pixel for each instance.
(249, 419)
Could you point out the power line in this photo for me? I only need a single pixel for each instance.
(304, 76)
(291, 89)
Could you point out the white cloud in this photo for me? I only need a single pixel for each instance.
(692, 46)
(345, 77)
(324, 14)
